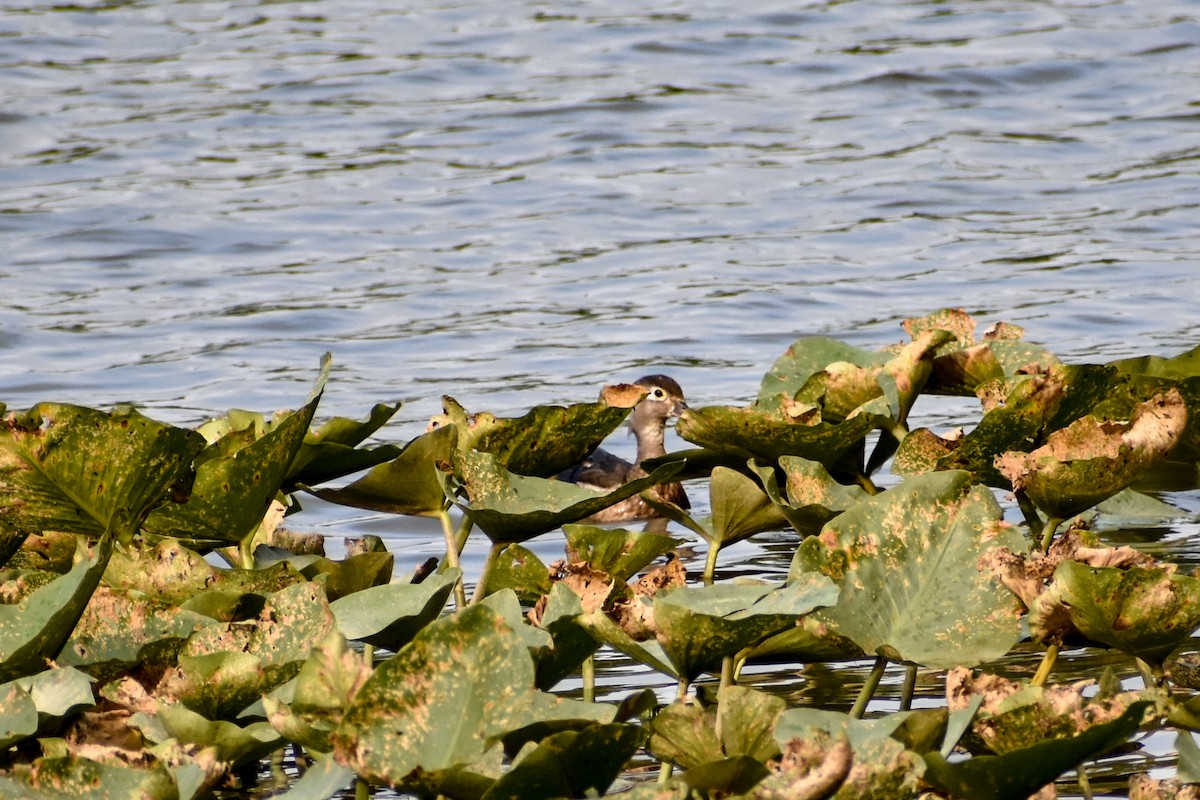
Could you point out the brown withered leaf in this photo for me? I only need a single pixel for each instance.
(622, 395)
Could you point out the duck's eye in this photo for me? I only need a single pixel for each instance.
(659, 394)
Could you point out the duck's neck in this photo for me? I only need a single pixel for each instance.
(650, 439)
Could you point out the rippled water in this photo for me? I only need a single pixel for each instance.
(514, 203)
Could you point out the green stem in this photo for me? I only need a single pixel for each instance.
(486, 573)
(727, 672)
(460, 593)
(246, 552)
(867, 484)
(1028, 510)
(589, 680)
(1046, 667)
(1085, 786)
(362, 789)
(710, 563)
(1048, 532)
(868, 689)
(909, 688)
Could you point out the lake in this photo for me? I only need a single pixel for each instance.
(516, 203)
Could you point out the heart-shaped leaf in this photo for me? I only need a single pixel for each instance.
(911, 588)
(440, 702)
(68, 468)
(512, 508)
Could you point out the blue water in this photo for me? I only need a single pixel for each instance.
(515, 203)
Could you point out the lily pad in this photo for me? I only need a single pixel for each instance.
(56, 778)
(408, 484)
(389, 616)
(440, 702)
(1144, 612)
(120, 630)
(512, 508)
(47, 698)
(1091, 460)
(569, 764)
(806, 357)
(332, 450)
(1018, 774)
(177, 575)
(35, 629)
(68, 468)
(881, 766)
(619, 552)
(699, 626)
(324, 688)
(224, 668)
(767, 434)
(234, 744)
(235, 484)
(810, 496)
(742, 723)
(546, 440)
(906, 561)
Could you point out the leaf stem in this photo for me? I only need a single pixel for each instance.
(710, 563)
(460, 593)
(727, 672)
(1048, 532)
(1028, 510)
(868, 689)
(486, 572)
(589, 679)
(1046, 667)
(909, 688)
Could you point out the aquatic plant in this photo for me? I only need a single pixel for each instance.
(132, 658)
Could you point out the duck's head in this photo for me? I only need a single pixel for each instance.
(664, 399)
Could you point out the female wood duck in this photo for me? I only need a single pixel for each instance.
(648, 423)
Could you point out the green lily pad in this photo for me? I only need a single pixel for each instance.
(767, 434)
(389, 616)
(341, 578)
(1144, 612)
(806, 357)
(120, 630)
(178, 575)
(569, 764)
(47, 698)
(408, 484)
(881, 767)
(572, 644)
(224, 668)
(699, 626)
(332, 450)
(58, 778)
(440, 702)
(235, 483)
(810, 496)
(519, 569)
(1091, 460)
(619, 552)
(1178, 368)
(543, 442)
(324, 688)
(1018, 774)
(68, 468)
(906, 561)
(35, 629)
(323, 779)
(512, 508)
(686, 733)
(234, 744)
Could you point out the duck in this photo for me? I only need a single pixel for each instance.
(648, 423)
